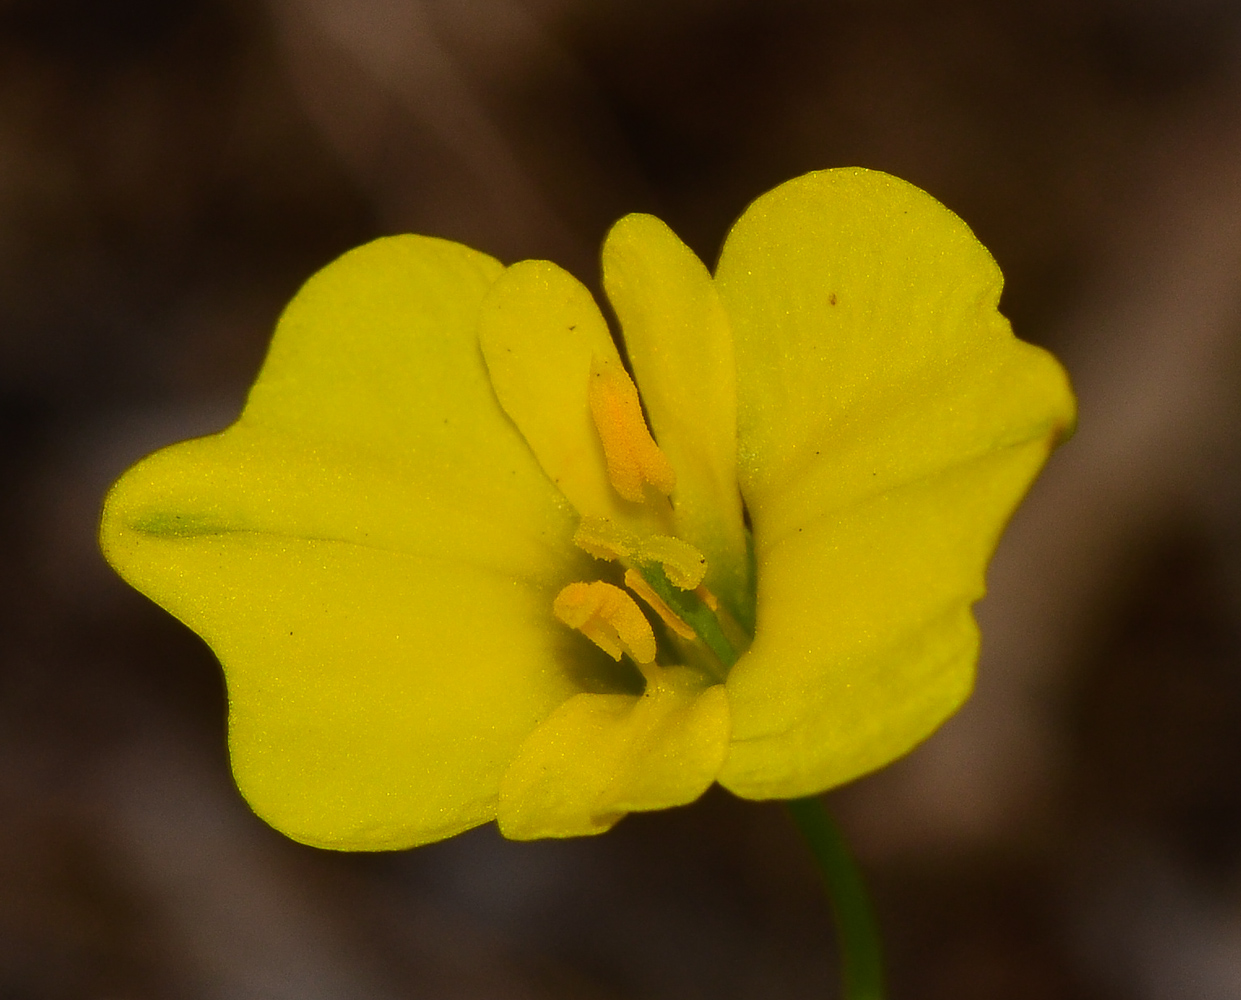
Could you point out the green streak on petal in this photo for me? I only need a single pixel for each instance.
(166, 524)
(678, 340)
(252, 479)
(599, 757)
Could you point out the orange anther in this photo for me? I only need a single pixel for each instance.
(608, 617)
(633, 457)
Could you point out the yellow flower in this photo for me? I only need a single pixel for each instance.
(452, 578)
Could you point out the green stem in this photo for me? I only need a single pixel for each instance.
(860, 954)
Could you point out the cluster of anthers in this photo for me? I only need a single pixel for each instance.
(666, 572)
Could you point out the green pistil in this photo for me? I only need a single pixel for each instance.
(692, 610)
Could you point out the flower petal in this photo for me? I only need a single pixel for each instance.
(367, 550)
(598, 757)
(888, 422)
(865, 640)
(677, 337)
(539, 330)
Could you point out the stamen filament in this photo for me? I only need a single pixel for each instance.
(707, 598)
(635, 582)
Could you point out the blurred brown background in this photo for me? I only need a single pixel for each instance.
(171, 170)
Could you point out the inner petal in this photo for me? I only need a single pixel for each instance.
(539, 330)
(679, 342)
(598, 757)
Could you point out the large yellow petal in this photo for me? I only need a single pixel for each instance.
(600, 756)
(677, 337)
(888, 422)
(865, 639)
(372, 552)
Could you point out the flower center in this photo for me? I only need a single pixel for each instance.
(666, 572)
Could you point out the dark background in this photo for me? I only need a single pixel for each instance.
(171, 170)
